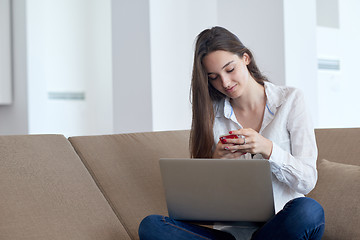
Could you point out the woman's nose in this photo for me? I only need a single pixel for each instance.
(225, 82)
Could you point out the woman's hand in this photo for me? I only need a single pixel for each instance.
(252, 143)
(223, 151)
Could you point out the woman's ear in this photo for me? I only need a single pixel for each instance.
(246, 58)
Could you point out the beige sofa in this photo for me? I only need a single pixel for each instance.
(100, 187)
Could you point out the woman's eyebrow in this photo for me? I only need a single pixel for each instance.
(227, 64)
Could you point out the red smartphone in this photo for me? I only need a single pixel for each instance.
(231, 136)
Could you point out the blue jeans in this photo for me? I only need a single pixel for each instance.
(301, 218)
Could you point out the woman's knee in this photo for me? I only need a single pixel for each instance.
(147, 224)
(151, 219)
(300, 217)
(309, 209)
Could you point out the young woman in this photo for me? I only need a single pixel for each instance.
(231, 96)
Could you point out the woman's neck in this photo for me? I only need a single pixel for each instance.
(253, 98)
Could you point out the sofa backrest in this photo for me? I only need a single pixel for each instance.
(340, 145)
(47, 193)
(338, 185)
(125, 167)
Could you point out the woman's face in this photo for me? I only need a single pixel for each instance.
(227, 72)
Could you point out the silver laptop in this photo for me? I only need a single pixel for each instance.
(218, 190)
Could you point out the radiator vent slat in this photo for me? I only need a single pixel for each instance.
(66, 95)
(329, 64)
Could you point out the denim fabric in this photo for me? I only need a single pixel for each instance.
(156, 227)
(301, 218)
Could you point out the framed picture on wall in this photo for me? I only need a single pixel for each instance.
(5, 53)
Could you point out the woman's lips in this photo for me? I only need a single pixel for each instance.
(230, 89)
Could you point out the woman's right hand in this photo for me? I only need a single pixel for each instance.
(223, 151)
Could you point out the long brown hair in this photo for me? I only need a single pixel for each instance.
(204, 94)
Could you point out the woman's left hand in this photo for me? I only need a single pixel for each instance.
(252, 143)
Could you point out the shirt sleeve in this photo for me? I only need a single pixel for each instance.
(297, 169)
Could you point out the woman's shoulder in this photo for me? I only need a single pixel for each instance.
(283, 90)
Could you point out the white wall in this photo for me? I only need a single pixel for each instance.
(330, 87)
(14, 117)
(5, 53)
(69, 51)
(349, 40)
(301, 51)
(338, 91)
(174, 26)
(132, 102)
(259, 25)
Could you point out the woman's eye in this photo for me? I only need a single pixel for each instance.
(231, 70)
(212, 77)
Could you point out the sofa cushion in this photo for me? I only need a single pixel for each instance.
(338, 191)
(126, 169)
(47, 193)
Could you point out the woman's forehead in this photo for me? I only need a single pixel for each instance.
(218, 60)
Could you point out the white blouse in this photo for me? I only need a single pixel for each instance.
(287, 124)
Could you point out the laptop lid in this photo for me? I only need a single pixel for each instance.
(218, 190)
